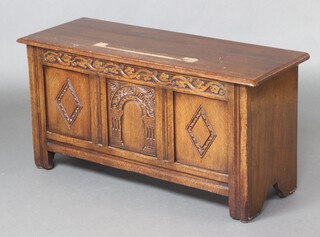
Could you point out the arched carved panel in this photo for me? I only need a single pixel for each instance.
(121, 93)
(132, 120)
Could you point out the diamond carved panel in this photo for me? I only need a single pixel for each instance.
(68, 103)
(201, 131)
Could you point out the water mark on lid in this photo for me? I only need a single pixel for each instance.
(181, 59)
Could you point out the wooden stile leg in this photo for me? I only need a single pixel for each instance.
(42, 157)
(284, 191)
(287, 179)
(45, 161)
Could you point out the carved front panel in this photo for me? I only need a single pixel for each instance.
(67, 103)
(132, 117)
(71, 103)
(201, 132)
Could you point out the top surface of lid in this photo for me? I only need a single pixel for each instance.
(223, 60)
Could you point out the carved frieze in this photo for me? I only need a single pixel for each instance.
(179, 81)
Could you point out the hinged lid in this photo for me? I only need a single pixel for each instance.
(217, 59)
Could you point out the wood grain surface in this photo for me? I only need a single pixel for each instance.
(224, 60)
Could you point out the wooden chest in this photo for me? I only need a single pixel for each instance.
(211, 114)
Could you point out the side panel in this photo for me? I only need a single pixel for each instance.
(266, 144)
(274, 137)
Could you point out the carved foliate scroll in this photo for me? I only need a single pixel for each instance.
(122, 93)
(132, 72)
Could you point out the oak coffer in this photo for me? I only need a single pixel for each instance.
(211, 114)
